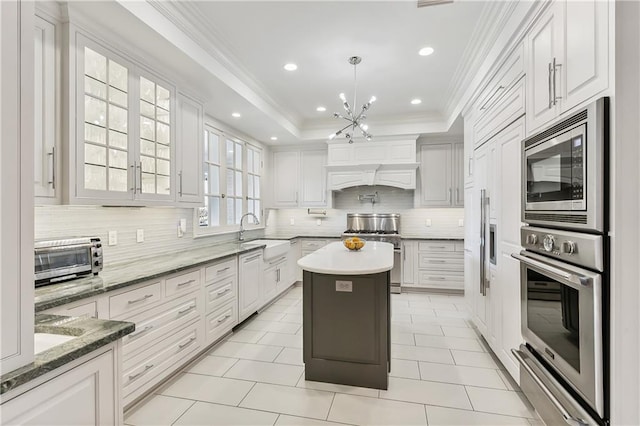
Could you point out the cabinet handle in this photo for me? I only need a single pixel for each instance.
(457, 195)
(146, 368)
(180, 185)
(187, 343)
(145, 297)
(223, 269)
(498, 90)
(226, 290)
(555, 81)
(278, 276)
(294, 242)
(224, 318)
(186, 283)
(437, 261)
(450, 194)
(404, 254)
(437, 247)
(436, 278)
(184, 311)
(252, 258)
(140, 168)
(549, 84)
(135, 183)
(52, 154)
(296, 197)
(138, 333)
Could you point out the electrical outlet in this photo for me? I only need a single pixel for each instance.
(292, 221)
(460, 222)
(113, 238)
(318, 222)
(140, 235)
(427, 222)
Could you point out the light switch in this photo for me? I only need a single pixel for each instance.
(292, 221)
(140, 235)
(318, 222)
(427, 222)
(460, 222)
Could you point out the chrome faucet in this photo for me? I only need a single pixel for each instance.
(241, 238)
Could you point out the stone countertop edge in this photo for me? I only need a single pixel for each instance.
(125, 275)
(92, 334)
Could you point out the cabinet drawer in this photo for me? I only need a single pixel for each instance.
(431, 262)
(219, 293)
(182, 283)
(436, 246)
(133, 300)
(220, 270)
(150, 364)
(313, 244)
(503, 113)
(84, 309)
(440, 280)
(154, 324)
(220, 322)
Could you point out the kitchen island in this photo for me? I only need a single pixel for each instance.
(346, 314)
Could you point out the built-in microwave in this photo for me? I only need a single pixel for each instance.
(564, 172)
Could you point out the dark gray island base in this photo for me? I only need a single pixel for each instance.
(346, 327)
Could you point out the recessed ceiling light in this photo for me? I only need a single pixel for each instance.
(290, 67)
(416, 101)
(425, 51)
(274, 138)
(321, 109)
(235, 115)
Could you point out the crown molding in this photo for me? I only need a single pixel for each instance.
(180, 29)
(491, 21)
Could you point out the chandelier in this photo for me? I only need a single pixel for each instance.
(355, 121)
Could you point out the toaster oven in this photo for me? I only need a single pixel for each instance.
(64, 259)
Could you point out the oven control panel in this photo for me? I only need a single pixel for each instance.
(573, 247)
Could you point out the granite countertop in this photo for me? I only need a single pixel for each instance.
(89, 334)
(430, 238)
(122, 275)
(336, 259)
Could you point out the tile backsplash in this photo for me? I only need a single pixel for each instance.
(160, 224)
(444, 221)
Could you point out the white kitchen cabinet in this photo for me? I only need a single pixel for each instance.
(249, 284)
(300, 178)
(313, 185)
(568, 59)
(438, 265)
(275, 279)
(408, 263)
(122, 131)
(87, 394)
(17, 189)
(441, 174)
(46, 109)
(188, 151)
(286, 177)
(294, 254)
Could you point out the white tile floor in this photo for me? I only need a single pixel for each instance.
(441, 374)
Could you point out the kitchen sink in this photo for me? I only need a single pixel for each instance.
(45, 341)
(273, 249)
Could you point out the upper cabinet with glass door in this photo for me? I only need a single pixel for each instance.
(125, 133)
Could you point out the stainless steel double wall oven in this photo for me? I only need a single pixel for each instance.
(565, 268)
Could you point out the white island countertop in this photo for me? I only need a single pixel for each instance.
(336, 259)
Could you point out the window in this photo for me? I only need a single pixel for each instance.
(231, 174)
(125, 128)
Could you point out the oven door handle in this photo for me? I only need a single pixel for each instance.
(563, 411)
(576, 279)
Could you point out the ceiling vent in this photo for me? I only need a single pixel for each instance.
(425, 3)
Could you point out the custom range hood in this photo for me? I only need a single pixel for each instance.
(390, 162)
